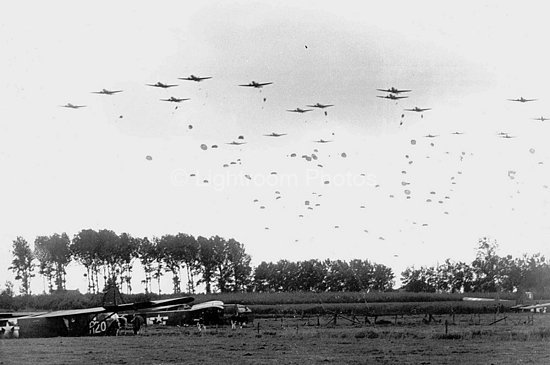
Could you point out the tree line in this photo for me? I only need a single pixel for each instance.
(109, 259)
(220, 265)
(488, 272)
(224, 266)
(322, 276)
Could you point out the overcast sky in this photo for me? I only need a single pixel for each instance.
(64, 169)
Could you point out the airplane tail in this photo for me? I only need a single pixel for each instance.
(111, 295)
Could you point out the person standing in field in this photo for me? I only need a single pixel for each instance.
(137, 322)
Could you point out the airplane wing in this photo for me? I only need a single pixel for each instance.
(13, 315)
(535, 306)
(68, 312)
(113, 308)
(200, 306)
(148, 304)
(206, 305)
(247, 85)
(264, 84)
(167, 308)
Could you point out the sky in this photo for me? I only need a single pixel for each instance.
(65, 169)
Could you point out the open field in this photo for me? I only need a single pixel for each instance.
(371, 309)
(297, 340)
(266, 298)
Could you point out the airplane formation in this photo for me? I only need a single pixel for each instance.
(394, 94)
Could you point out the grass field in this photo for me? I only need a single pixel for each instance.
(300, 303)
(469, 340)
(344, 297)
(372, 309)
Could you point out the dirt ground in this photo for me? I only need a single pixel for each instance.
(407, 340)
